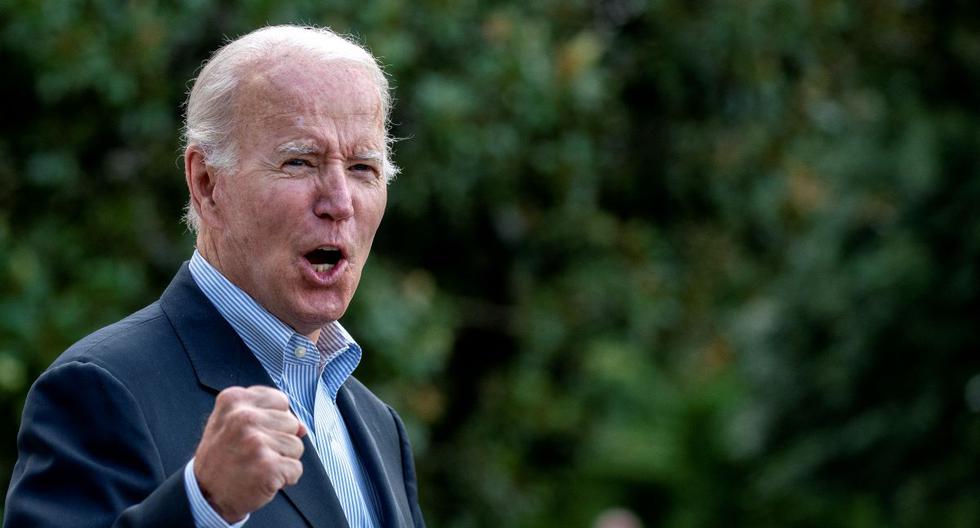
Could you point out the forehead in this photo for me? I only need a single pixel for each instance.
(295, 90)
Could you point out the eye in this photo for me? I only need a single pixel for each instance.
(362, 168)
(297, 162)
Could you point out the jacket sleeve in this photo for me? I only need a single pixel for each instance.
(86, 458)
(408, 471)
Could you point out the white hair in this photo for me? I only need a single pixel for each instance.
(209, 121)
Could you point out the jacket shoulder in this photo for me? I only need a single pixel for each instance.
(125, 344)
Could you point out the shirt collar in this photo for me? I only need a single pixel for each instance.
(336, 353)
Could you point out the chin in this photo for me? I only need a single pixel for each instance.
(318, 314)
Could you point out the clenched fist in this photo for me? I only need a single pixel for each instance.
(250, 450)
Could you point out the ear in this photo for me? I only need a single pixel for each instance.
(201, 180)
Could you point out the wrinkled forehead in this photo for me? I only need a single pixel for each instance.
(298, 85)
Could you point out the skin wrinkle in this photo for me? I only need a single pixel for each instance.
(279, 73)
(268, 214)
(303, 148)
(212, 114)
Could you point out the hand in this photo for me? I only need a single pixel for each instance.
(250, 450)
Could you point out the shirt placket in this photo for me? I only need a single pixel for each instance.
(300, 372)
(314, 407)
(336, 455)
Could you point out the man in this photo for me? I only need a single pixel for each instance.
(229, 401)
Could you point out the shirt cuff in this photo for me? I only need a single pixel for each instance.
(204, 514)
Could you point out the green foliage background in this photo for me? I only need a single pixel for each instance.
(716, 262)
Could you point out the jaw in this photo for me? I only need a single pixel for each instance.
(320, 299)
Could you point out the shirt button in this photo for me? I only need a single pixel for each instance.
(300, 352)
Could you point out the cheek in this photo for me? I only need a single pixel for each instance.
(373, 203)
(257, 219)
(381, 205)
(276, 206)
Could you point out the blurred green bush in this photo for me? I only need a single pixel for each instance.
(715, 262)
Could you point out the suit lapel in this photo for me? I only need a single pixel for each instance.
(363, 437)
(313, 495)
(221, 360)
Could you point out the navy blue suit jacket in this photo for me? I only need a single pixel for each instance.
(108, 428)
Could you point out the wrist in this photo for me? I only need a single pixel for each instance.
(229, 515)
(204, 510)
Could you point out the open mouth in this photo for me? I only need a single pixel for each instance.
(324, 258)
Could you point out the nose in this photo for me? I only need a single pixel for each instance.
(333, 194)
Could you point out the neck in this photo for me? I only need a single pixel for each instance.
(208, 249)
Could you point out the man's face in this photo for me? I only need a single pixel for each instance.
(297, 217)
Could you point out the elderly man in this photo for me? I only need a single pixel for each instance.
(230, 400)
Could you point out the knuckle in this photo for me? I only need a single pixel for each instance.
(271, 458)
(270, 485)
(297, 446)
(261, 390)
(253, 442)
(230, 396)
(244, 415)
(294, 472)
(279, 398)
(272, 396)
(264, 465)
(270, 391)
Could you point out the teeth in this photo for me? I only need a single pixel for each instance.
(323, 268)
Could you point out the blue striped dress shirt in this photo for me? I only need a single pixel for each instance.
(310, 375)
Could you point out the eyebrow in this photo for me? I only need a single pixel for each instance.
(297, 149)
(367, 155)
